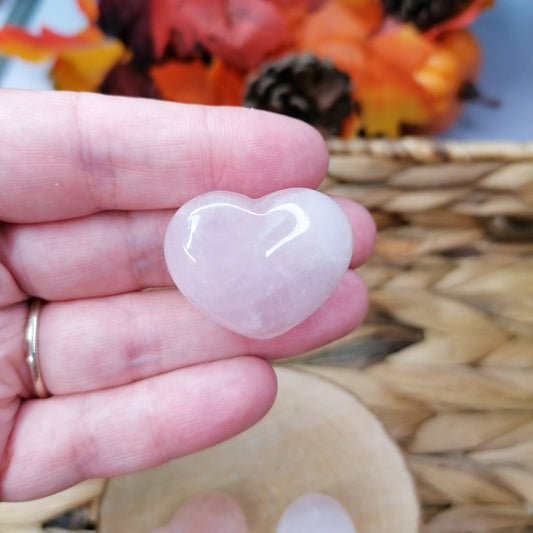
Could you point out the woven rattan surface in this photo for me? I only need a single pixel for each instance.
(445, 356)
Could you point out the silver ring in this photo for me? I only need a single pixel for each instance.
(33, 354)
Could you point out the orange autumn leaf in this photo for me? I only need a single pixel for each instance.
(89, 8)
(227, 84)
(183, 82)
(369, 12)
(197, 83)
(240, 32)
(441, 77)
(439, 68)
(436, 70)
(388, 98)
(388, 108)
(456, 62)
(84, 68)
(465, 48)
(388, 95)
(81, 61)
(352, 126)
(404, 46)
(401, 77)
(15, 41)
(335, 22)
(295, 11)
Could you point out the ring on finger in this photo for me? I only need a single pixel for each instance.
(32, 359)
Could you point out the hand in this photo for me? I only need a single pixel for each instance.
(88, 184)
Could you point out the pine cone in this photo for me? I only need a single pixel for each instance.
(424, 13)
(303, 87)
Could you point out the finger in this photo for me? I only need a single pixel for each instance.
(117, 431)
(107, 253)
(115, 252)
(363, 228)
(108, 342)
(67, 155)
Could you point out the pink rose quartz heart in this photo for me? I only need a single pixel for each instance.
(259, 266)
(315, 513)
(207, 513)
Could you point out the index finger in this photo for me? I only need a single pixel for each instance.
(67, 155)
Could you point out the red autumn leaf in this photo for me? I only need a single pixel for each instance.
(240, 32)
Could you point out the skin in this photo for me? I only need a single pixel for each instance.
(88, 184)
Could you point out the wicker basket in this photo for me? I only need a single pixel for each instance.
(445, 356)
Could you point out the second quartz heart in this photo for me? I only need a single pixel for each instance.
(259, 266)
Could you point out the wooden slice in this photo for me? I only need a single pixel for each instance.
(26, 517)
(317, 438)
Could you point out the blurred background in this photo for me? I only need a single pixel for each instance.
(504, 31)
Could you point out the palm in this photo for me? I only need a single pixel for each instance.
(137, 377)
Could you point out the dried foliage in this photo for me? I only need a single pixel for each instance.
(402, 78)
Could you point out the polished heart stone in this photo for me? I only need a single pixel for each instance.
(259, 266)
(315, 513)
